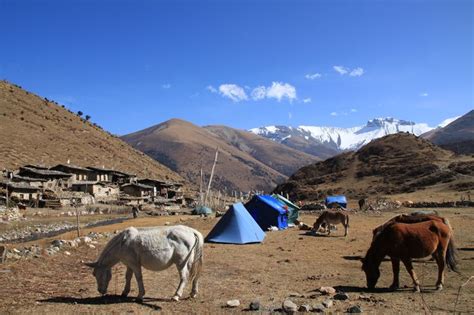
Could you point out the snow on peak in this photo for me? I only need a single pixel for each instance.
(345, 138)
(446, 122)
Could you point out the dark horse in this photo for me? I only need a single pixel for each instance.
(402, 242)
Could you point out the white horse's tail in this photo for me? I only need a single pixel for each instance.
(198, 255)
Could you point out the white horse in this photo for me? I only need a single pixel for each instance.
(155, 249)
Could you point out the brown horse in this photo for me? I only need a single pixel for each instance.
(402, 242)
(415, 217)
(332, 217)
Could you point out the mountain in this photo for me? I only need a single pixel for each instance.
(395, 164)
(34, 130)
(457, 135)
(325, 142)
(246, 161)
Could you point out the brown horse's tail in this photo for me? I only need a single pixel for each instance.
(347, 220)
(451, 256)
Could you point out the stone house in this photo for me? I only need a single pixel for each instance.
(138, 190)
(21, 191)
(101, 191)
(51, 179)
(78, 173)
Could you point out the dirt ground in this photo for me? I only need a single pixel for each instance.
(287, 263)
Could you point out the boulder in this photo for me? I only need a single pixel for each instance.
(327, 290)
(304, 308)
(233, 303)
(289, 307)
(341, 296)
(318, 308)
(354, 309)
(328, 303)
(254, 305)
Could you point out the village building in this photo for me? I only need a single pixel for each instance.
(101, 191)
(35, 182)
(21, 191)
(53, 179)
(101, 174)
(79, 173)
(138, 190)
(164, 189)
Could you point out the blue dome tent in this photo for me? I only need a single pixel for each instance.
(267, 212)
(236, 227)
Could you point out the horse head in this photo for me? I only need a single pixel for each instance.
(102, 275)
(372, 273)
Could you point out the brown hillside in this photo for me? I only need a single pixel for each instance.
(184, 147)
(394, 164)
(36, 131)
(273, 154)
(458, 136)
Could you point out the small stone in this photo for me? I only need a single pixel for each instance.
(15, 251)
(91, 246)
(341, 296)
(254, 305)
(327, 290)
(86, 239)
(233, 303)
(289, 307)
(57, 243)
(354, 309)
(304, 308)
(318, 308)
(167, 223)
(295, 294)
(328, 303)
(67, 253)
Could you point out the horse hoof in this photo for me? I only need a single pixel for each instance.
(417, 289)
(175, 298)
(439, 287)
(124, 295)
(139, 299)
(394, 287)
(193, 295)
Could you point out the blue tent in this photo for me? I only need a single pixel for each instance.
(340, 200)
(268, 211)
(236, 227)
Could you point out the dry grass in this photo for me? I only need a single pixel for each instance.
(36, 131)
(286, 262)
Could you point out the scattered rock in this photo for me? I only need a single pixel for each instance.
(86, 239)
(67, 253)
(91, 246)
(354, 309)
(341, 296)
(289, 307)
(304, 308)
(328, 303)
(254, 306)
(167, 223)
(233, 303)
(327, 290)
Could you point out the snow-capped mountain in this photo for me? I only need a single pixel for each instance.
(332, 140)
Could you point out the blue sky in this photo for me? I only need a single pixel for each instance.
(132, 64)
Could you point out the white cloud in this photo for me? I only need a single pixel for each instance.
(446, 122)
(280, 90)
(424, 94)
(341, 70)
(313, 76)
(259, 93)
(353, 110)
(290, 115)
(233, 91)
(307, 100)
(357, 72)
(166, 86)
(211, 89)
(333, 114)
